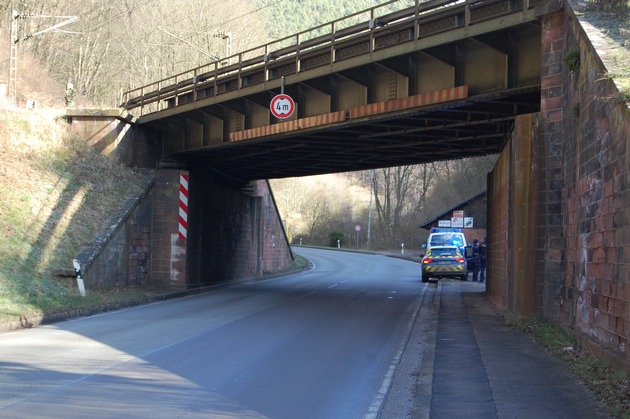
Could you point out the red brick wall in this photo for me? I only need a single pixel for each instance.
(121, 256)
(168, 262)
(234, 233)
(559, 202)
(276, 253)
(587, 251)
(552, 113)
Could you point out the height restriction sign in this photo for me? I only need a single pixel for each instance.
(282, 106)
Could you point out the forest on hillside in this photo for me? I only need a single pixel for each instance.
(114, 45)
(106, 47)
(388, 204)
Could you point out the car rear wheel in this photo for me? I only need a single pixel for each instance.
(425, 278)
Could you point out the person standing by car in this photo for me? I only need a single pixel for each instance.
(483, 259)
(476, 260)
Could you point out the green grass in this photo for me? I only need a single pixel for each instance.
(619, 7)
(300, 262)
(55, 192)
(25, 294)
(612, 19)
(611, 386)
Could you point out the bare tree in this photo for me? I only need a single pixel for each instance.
(403, 197)
(290, 196)
(458, 180)
(121, 44)
(316, 212)
(390, 186)
(400, 194)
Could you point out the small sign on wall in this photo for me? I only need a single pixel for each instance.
(468, 222)
(444, 223)
(457, 220)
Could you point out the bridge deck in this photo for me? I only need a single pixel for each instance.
(361, 92)
(467, 127)
(382, 30)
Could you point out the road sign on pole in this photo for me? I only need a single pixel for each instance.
(282, 106)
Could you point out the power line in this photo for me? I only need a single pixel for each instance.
(13, 67)
(121, 13)
(91, 24)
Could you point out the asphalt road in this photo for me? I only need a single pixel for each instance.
(324, 343)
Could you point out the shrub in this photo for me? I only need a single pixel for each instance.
(336, 237)
(621, 7)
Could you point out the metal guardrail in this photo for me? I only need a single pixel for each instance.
(359, 33)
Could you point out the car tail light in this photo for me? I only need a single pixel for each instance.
(427, 260)
(460, 260)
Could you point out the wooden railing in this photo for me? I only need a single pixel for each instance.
(359, 33)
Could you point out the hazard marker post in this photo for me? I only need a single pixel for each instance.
(183, 205)
(79, 274)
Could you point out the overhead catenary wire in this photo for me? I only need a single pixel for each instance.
(121, 13)
(15, 39)
(100, 19)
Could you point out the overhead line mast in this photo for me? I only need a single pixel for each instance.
(15, 39)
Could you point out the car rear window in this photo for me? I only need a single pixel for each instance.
(444, 252)
(449, 239)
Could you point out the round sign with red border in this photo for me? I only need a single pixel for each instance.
(282, 106)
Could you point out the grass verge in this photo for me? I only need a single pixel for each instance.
(56, 193)
(611, 18)
(611, 386)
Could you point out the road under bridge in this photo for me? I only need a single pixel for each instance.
(438, 80)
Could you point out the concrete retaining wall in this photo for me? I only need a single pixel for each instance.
(516, 227)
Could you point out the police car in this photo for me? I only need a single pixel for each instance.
(448, 236)
(444, 261)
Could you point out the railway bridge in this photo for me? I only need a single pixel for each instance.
(394, 85)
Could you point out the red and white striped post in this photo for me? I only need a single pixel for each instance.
(183, 205)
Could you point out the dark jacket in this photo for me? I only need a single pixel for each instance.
(476, 256)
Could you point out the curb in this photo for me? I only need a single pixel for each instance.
(29, 323)
(424, 383)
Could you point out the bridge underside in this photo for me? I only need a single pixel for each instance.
(475, 126)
